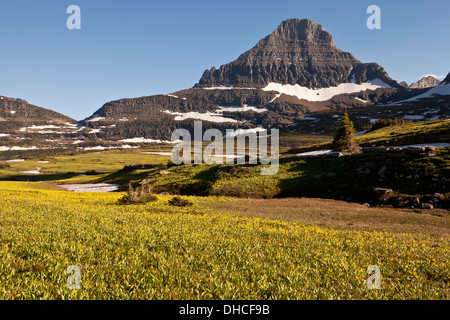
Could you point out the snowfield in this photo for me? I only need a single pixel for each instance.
(145, 140)
(227, 88)
(96, 187)
(95, 118)
(324, 94)
(244, 108)
(33, 172)
(239, 132)
(159, 153)
(17, 148)
(208, 116)
(314, 153)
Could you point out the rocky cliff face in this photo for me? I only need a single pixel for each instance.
(425, 82)
(20, 110)
(447, 79)
(300, 52)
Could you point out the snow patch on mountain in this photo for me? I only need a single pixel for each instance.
(208, 116)
(324, 94)
(244, 108)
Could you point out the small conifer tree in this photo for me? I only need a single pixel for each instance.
(345, 138)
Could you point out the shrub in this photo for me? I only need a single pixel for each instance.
(4, 165)
(140, 194)
(180, 202)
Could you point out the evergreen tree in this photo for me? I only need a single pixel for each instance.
(345, 137)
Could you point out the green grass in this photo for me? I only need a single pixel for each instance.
(64, 167)
(157, 251)
(354, 179)
(416, 132)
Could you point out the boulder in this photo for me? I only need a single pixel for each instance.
(382, 191)
(426, 206)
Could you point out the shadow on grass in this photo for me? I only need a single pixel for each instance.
(40, 177)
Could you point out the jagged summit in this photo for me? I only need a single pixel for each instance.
(425, 82)
(299, 52)
(297, 31)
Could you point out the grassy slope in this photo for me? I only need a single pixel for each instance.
(411, 133)
(297, 177)
(155, 251)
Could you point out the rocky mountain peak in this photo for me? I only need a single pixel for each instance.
(296, 31)
(425, 82)
(299, 52)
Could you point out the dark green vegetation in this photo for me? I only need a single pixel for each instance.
(345, 137)
(352, 177)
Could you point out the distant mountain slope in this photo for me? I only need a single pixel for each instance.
(20, 110)
(443, 89)
(24, 126)
(425, 82)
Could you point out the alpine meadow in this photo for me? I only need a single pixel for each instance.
(294, 172)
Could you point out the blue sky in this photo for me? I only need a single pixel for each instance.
(136, 48)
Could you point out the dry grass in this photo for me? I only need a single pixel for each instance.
(342, 215)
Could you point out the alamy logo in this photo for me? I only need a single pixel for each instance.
(74, 280)
(214, 152)
(374, 280)
(74, 20)
(374, 21)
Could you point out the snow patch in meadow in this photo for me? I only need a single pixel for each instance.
(314, 153)
(33, 172)
(93, 187)
(17, 148)
(159, 153)
(4, 135)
